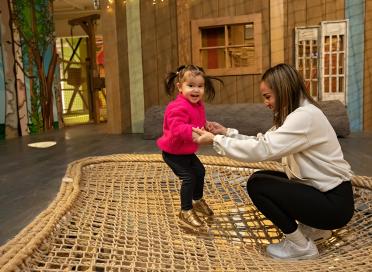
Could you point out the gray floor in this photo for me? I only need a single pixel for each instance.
(30, 177)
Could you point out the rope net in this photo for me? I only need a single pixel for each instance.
(119, 213)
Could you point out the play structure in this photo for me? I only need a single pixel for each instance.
(119, 213)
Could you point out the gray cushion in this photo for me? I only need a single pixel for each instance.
(248, 118)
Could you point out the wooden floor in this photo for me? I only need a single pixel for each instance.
(30, 177)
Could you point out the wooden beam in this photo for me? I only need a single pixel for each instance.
(277, 31)
(85, 19)
(354, 10)
(367, 94)
(87, 23)
(135, 65)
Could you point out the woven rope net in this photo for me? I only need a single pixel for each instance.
(119, 213)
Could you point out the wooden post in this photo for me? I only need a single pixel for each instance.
(10, 97)
(87, 23)
(116, 68)
(135, 66)
(184, 35)
(276, 31)
(367, 94)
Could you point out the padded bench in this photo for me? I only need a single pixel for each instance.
(248, 118)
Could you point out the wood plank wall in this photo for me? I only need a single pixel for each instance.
(166, 39)
(116, 69)
(159, 48)
(307, 13)
(367, 95)
(164, 49)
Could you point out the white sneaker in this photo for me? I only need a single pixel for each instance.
(317, 235)
(286, 249)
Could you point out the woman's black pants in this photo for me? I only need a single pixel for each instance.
(191, 172)
(284, 201)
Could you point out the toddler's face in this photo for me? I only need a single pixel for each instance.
(192, 88)
(268, 95)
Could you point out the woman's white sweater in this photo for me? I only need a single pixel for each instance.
(306, 143)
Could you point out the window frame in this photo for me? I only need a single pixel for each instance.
(310, 34)
(334, 29)
(196, 34)
(331, 29)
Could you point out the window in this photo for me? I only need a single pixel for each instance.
(321, 58)
(228, 45)
(307, 57)
(333, 60)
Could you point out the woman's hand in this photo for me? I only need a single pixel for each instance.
(201, 136)
(195, 137)
(215, 128)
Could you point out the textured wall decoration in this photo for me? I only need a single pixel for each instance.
(21, 88)
(10, 103)
(34, 23)
(28, 61)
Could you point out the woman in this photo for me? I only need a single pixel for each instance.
(315, 187)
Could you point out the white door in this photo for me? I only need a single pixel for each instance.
(307, 47)
(333, 60)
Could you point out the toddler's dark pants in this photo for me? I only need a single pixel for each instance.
(191, 172)
(284, 201)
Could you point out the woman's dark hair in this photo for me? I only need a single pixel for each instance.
(179, 76)
(288, 87)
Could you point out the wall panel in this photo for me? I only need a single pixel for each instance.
(226, 8)
(334, 9)
(229, 91)
(167, 39)
(116, 69)
(315, 11)
(166, 46)
(160, 51)
(149, 52)
(367, 94)
(296, 16)
(183, 32)
(245, 85)
(308, 13)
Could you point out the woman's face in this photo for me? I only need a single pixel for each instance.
(268, 95)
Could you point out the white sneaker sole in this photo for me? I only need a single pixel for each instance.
(318, 236)
(299, 258)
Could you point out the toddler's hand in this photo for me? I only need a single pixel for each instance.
(204, 137)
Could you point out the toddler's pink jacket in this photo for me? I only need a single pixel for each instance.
(179, 118)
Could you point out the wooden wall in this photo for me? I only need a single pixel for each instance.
(166, 42)
(307, 13)
(166, 39)
(367, 94)
(116, 69)
(159, 48)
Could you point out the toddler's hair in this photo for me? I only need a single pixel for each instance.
(173, 77)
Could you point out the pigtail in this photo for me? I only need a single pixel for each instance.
(209, 87)
(170, 80)
(169, 83)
